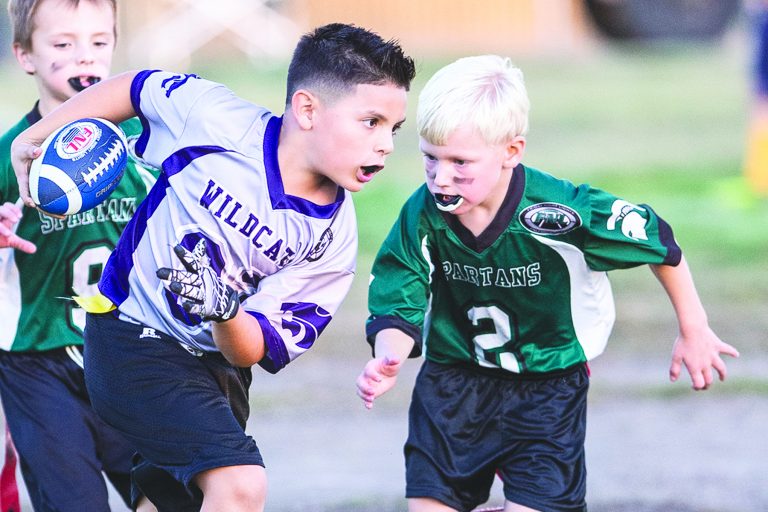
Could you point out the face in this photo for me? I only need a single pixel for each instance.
(71, 49)
(352, 136)
(466, 172)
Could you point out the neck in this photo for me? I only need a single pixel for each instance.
(46, 105)
(481, 216)
(299, 177)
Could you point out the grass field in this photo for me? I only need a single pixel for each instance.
(662, 126)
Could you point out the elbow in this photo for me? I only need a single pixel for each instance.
(242, 358)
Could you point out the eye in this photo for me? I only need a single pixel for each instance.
(61, 46)
(396, 128)
(460, 162)
(101, 44)
(371, 123)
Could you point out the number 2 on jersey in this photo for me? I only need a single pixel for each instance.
(495, 341)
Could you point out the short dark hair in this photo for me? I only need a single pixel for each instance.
(334, 58)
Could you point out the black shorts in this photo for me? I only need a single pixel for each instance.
(63, 445)
(465, 427)
(184, 413)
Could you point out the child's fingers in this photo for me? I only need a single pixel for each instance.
(187, 258)
(728, 350)
(701, 378)
(390, 366)
(674, 369)
(365, 384)
(391, 361)
(10, 213)
(719, 365)
(371, 372)
(366, 395)
(29, 152)
(23, 245)
(697, 379)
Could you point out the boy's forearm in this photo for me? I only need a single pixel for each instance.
(393, 343)
(110, 99)
(240, 340)
(678, 283)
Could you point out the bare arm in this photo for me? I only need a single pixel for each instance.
(380, 373)
(110, 99)
(240, 340)
(697, 346)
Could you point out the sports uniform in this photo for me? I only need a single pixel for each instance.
(290, 260)
(506, 322)
(41, 377)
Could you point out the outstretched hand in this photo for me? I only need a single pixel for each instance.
(700, 353)
(10, 214)
(202, 290)
(378, 376)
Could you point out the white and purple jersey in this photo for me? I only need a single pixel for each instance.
(291, 260)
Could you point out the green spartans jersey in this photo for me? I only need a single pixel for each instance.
(35, 289)
(531, 293)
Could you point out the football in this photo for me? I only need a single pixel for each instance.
(81, 164)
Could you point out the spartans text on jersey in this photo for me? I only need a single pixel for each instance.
(116, 209)
(512, 277)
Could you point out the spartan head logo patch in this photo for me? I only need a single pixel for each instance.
(319, 249)
(629, 217)
(549, 219)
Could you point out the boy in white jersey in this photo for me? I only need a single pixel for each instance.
(64, 447)
(496, 272)
(241, 253)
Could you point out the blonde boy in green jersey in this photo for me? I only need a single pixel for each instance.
(497, 273)
(66, 46)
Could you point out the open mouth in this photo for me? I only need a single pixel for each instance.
(370, 170)
(448, 203)
(79, 83)
(367, 172)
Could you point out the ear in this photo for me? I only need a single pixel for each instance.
(515, 149)
(304, 107)
(22, 56)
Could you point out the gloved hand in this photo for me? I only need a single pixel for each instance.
(203, 291)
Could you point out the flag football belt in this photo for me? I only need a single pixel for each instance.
(95, 303)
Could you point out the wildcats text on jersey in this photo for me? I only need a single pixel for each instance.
(225, 206)
(513, 277)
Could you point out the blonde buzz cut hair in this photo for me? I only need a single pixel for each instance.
(486, 92)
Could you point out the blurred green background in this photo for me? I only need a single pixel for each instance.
(663, 124)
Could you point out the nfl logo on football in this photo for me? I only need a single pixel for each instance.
(77, 141)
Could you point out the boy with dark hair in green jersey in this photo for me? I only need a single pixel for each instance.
(66, 46)
(496, 273)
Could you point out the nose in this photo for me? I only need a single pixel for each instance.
(442, 174)
(386, 144)
(84, 54)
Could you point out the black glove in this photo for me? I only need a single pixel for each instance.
(203, 291)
